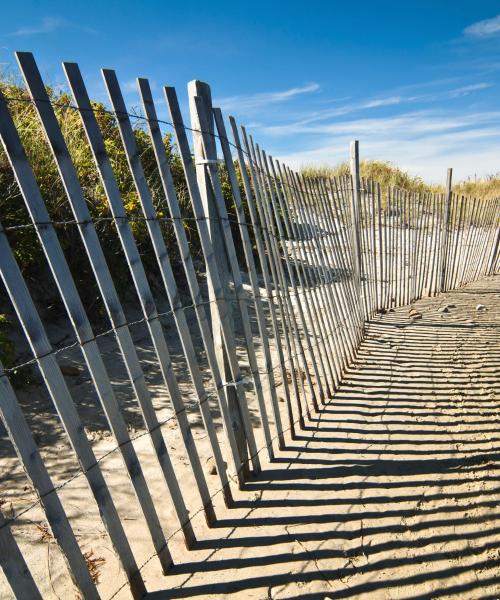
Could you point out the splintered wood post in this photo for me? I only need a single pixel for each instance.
(444, 239)
(202, 90)
(355, 211)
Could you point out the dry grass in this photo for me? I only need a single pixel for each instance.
(389, 175)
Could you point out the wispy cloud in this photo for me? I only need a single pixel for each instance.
(485, 28)
(391, 100)
(48, 25)
(254, 101)
(423, 142)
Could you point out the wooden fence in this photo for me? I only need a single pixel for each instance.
(289, 269)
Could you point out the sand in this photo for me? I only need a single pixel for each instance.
(391, 491)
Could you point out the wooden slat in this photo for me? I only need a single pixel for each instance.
(14, 566)
(61, 397)
(219, 292)
(75, 308)
(273, 298)
(292, 338)
(202, 109)
(22, 439)
(252, 272)
(147, 302)
(189, 269)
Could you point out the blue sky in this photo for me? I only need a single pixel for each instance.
(416, 82)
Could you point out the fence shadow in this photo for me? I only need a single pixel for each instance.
(391, 488)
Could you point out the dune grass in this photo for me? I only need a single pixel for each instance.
(389, 175)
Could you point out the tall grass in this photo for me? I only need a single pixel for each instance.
(389, 175)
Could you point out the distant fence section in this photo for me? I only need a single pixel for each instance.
(287, 272)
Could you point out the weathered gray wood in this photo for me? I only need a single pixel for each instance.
(29, 456)
(380, 218)
(459, 209)
(203, 114)
(334, 329)
(62, 275)
(494, 254)
(134, 262)
(311, 204)
(278, 232)
(281, 298)
(148, 304)
(337, 215)
(317, 307)
(355, 210)
(444, 239)
(344, 299)
(314, 254)
(61, 397)
(14, 566)
(272, 296)
(374, 251)
(297, 361)
(189, 269)
(225, 339)
(74, 305)
(247, 248)
(486, 238)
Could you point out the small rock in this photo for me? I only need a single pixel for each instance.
(415, 316)
(412, 312)
(451, 305)
(281, 399)
(211, 466)
(70, 370)
(480, 307)
(443, 309)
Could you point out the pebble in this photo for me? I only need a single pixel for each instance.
(480, 307)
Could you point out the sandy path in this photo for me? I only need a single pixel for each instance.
(392, 490)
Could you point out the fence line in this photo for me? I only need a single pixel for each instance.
(322, 256)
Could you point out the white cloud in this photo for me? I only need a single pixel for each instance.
(424, 143)
(396, 100)
(254, 101)
(49, 25)
(46, 25)
(484, 28)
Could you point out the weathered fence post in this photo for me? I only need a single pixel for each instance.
(356, 212)
(202, 90)
(444, 239)
(494, 255)
(14, 566)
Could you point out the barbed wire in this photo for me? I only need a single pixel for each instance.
(160, 424)
(140, 117)
(245, 296)
(347, 322)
